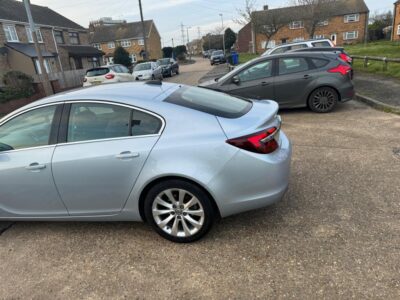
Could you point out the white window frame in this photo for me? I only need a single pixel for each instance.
(141, 42)
(111, 45)
(126, 43)
(323, 23)
(30, 36)
(353, 35)
(352, 18)
(319, 36)
(97, 46)
(296, 25)
(72, 35)
(398, 29)
(133, 58)
(298, 39)
(11, 33)
(46, 63)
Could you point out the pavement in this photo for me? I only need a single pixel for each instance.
(335, 234)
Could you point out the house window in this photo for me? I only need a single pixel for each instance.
(125, 43)
(111, 45)
(74, 38)
(94, 62)
(58, 35)
(30, 37)
(351, 35)
(11, 33)
(141, 42)
(299, 39)
(351, 18)
(134, 58)
(296, 25)
(319, 36)
(47, 66)
(323, 23)
(97, 46)
(398, 30)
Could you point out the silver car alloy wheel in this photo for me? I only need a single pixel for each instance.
(178, 212)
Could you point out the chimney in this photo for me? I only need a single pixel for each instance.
(265, 7)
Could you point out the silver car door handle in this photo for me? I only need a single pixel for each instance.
(127, 155)
(35, 167)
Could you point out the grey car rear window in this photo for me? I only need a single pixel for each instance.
(211, 102)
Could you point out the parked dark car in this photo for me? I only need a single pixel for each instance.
(169, 66)
(342, 53)
(317, 80)
(217, 57)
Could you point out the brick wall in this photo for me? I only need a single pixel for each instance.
(244, 39)
(336, 26)
(396, 35)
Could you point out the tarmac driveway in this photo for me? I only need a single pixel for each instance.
(336, 234)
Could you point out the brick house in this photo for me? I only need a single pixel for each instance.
(243, 43)
(64, 44)
(396, 22)
(127, 35)
(347, 25)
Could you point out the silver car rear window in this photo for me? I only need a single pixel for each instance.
(211, 102)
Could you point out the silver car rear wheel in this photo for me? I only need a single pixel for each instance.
(179, 210)
(178, 213)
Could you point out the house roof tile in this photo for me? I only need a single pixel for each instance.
(15, 11)
(122, 31)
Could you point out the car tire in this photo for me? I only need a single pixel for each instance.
(323, 100)
(170, 73)
(178, 223)
(177, 72)
(153, 77)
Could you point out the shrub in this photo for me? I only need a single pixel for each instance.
(17, 85)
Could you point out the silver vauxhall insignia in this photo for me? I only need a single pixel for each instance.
(176, 156)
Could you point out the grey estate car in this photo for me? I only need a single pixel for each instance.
(178, 157)
(318, 80)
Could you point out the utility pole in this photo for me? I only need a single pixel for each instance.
(183, 33)
(188, 41)
(143, 29)
(223, 32)
(46, 82)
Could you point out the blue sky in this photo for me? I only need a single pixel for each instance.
(200, 15)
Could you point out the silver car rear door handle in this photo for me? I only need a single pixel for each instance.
(35, 167)
(127, 155)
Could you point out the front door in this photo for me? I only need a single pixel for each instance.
(105, 149)
(292, 81)
(27, 188)
(255, 82)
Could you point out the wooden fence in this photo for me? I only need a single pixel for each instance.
(66, 79)
(385, 61)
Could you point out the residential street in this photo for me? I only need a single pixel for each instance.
(336, 233)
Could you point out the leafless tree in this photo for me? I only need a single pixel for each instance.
(269, 22)
(315, 12)
(245, 13)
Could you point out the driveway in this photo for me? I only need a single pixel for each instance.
(336, 233)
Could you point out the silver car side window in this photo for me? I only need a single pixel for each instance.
(96, 121)
(27, 130)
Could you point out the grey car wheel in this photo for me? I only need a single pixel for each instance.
(323, 100)
(179, 211)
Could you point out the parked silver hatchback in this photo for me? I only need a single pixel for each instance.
(178, 157)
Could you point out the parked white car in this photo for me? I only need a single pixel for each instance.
(147, 71)
(107, 74)
(298, 45)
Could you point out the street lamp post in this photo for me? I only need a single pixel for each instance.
(188, 41)
(223, 32)
(143, 30)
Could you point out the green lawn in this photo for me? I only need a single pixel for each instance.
(245, 57)
(381, 49)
